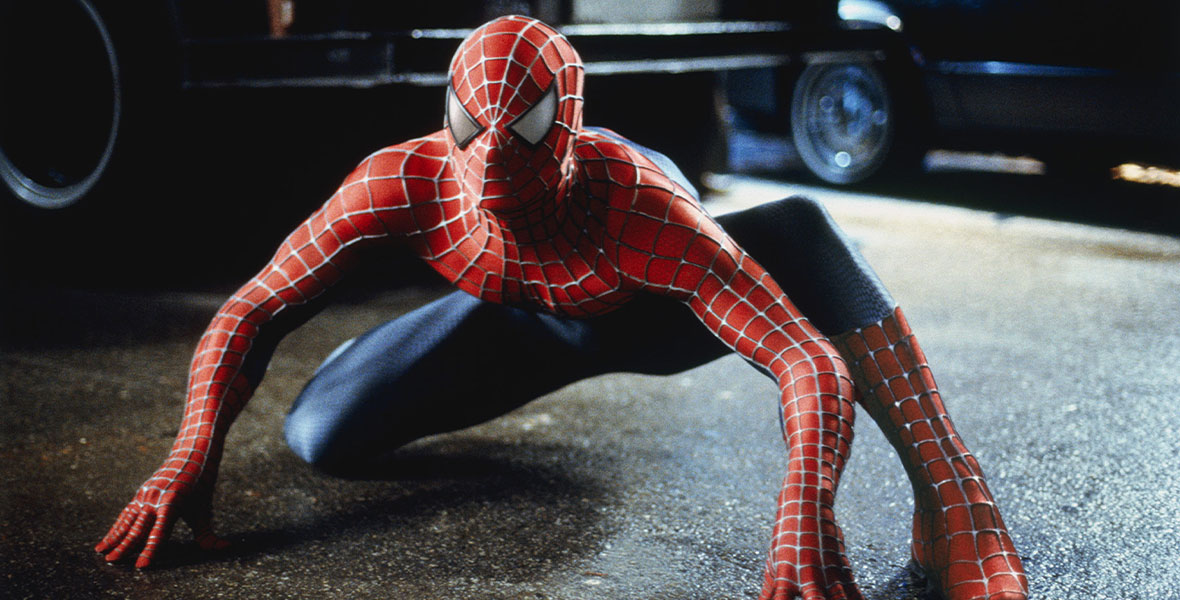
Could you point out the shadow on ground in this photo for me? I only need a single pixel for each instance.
(84, 376)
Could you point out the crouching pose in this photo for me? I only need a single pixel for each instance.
(551, 229)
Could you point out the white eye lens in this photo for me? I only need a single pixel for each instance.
(463, 127)
(536, 122)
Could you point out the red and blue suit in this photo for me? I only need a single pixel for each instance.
(578, 252)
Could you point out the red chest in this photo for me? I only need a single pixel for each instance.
(567, 274)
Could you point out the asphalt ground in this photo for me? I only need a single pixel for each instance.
(1055, 346)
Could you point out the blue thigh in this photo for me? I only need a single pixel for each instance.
(459, 361)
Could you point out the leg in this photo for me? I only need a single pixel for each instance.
(459, 361)
(445, 366)
(818, 267)
(958, 537)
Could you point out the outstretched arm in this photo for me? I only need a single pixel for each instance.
(232, 355)
(679, 251)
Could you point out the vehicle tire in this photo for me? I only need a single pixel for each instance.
(65, 66)
(845, 121)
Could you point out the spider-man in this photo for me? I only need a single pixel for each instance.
(525, 210)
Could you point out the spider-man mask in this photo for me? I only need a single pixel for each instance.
(514, 106)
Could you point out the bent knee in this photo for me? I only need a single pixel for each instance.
(330, 432)
(804, 209)
(313, 440)
(794, 217)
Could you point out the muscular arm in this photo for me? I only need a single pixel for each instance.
(668, 246)
(232, 354)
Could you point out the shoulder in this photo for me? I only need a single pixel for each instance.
(612, 158)
(607, 158)
(660, 235)
(399, 171)
(635, 188)
(393, 182)
(422, 156)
